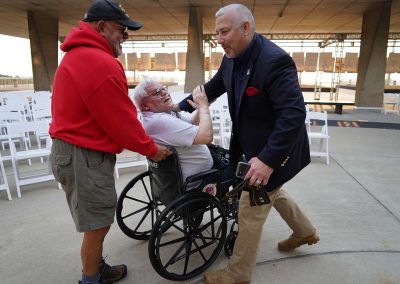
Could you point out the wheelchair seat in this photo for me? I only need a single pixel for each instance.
(166, 179)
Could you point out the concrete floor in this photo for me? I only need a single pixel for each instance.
(353, 201)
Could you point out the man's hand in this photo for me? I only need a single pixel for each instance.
(200, 97)
(162, 153)
(259, 172)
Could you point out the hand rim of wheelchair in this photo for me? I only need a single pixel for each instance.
(192, 234)
(145, 206)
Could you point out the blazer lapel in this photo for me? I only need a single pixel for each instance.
(228, 75)
(245, 81)
(249, 68)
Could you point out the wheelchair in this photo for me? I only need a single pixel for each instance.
(186, 228)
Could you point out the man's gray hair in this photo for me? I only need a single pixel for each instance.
(241, 14)
(139, 93)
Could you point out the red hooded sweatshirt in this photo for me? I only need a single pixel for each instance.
(90, 103)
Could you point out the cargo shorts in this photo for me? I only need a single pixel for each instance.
(87, 178)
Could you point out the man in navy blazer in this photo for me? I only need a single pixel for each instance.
(268, 113)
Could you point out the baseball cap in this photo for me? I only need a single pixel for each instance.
(108, 10)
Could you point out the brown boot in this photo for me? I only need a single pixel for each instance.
(220, 277)
(294, 242)
(112, 273)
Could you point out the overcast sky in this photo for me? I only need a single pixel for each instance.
(15, 56)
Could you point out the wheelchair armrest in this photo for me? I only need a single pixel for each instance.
(202, 175)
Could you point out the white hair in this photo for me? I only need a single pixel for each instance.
(139, 93)
(241, 14)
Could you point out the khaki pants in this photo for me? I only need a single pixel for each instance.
(251, 221)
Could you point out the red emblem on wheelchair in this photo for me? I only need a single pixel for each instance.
(210, 189)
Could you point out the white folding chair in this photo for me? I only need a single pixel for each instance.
(216, 127)
(7, 115)
(20, 102)
(41, 111)
(39, 96)
(41, 105)
(318, 134)
(221, 123)
(3, 180)
(225, 129)
(393, 100)
(307, 121)
(128, 159)
(18, 155)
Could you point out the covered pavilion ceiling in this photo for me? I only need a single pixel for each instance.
(168, 19)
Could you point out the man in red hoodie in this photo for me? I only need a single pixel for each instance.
(93, 118)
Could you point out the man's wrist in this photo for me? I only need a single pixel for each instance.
(204, 110)
(176, 108)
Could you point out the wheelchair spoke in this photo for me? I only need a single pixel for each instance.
(211, 239)
(172, 242)
(175, 257)
(152, 217)
(135, 212)
(200, 251)
(210, 223)
(188, 247)
(172, 223)
(146, 190)
(143, 218)
(135, 199)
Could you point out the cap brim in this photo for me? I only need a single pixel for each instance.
(132, 25)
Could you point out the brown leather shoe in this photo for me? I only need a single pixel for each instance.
(220, 277)
(294, 242)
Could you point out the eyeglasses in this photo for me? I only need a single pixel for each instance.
(157, 93)
(160, 91)
(124, 30)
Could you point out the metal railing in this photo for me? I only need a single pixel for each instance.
(7, 84)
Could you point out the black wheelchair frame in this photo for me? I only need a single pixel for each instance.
(186, 229)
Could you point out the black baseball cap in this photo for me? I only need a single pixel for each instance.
(108, 10)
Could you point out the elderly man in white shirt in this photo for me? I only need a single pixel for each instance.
(187, 134)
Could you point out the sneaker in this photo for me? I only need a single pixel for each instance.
(294, 242)
(112, 273)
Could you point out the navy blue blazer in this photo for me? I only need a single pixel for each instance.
(270, 120)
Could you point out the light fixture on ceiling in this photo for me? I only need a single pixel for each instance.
(280, 14)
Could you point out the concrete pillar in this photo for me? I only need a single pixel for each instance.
(372, 61)
(43, 35)
(195, 53)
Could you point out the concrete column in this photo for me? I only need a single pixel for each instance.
(195, 53)
(43, 35)
(372, 61)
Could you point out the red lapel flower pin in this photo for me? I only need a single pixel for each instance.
(252, 91)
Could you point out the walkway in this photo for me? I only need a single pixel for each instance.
(354, 203)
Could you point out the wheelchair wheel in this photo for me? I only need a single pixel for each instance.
(137, 211)
(188, 236)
